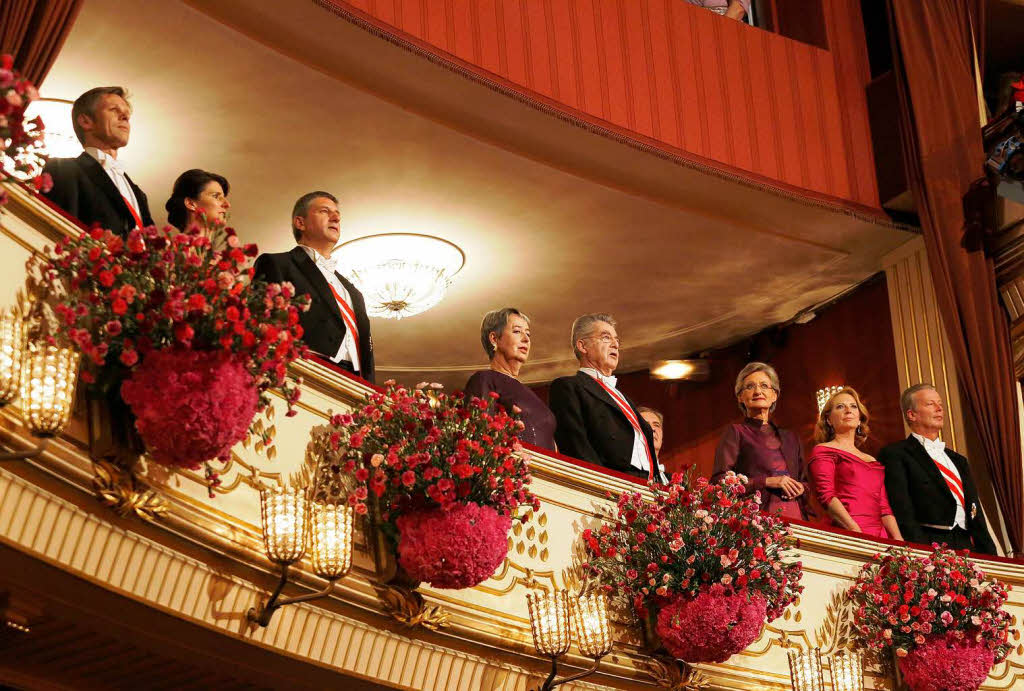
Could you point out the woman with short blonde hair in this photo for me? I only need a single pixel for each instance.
(771, 458)
(505, 336)
(850, 483)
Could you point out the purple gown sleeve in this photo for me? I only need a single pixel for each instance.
(726, 456)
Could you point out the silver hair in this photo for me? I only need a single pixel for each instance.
(751, 368)
(494, 322)
(907, 397)
(584, 326)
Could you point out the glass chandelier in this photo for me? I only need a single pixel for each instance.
(400, 274)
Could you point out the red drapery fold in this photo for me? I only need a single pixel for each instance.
(33, 31)
(944, 153)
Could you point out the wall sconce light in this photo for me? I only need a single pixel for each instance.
(550, 624)
(847, 671)
(805, 670)
(289, 523)
(826, 393)
(44, 377)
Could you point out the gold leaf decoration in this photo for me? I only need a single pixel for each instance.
(835, 632)
(676, 675)
(530, 533)
(542, 520)
(544, 554)
(532, 551)
(408, 607)
(120, 490)
(543, 537)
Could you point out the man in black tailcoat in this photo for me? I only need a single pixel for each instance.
(336, 325)
(930, 488)
(596, 421)
(94, 187)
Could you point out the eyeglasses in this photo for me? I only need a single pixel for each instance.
(762, 386)
(607, 338)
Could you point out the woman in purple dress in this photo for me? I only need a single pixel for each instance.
(771, 458)
(505, 335)
(850, 484)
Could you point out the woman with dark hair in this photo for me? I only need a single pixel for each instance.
(505, 336)
(772, 459)
(198, 198)
(850, 483)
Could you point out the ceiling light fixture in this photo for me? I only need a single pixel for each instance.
(400, 274)
(671, 370)
(59, 134)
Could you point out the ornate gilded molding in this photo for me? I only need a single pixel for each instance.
(408, 607)
(676, 675)
(119, 490)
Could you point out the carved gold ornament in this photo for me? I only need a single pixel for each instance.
(120, 490)
(409, 608)
(675, 675)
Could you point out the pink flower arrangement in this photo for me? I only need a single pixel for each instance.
(942, 665)
(692, 629)
(191, 406)
(163, 290)
(904, 602)
(456, 547)
(442, 473)
(692, 546)
(420, 449)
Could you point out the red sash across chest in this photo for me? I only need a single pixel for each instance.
(348, 316)
(627, 410)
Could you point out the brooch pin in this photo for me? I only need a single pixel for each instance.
(974, 510)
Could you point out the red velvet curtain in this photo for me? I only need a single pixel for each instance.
(944, 154)
(33, 31)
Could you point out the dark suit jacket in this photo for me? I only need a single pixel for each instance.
(83, 189)
(919, 494)
(322, 325)
(591, 426)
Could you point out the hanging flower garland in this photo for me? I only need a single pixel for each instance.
(444, 475)
(940, 614)
(703, 558)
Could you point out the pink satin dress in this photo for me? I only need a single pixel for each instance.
(859, 485)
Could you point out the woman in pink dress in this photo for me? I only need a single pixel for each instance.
(850, 483)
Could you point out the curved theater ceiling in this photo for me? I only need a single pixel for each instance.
(557, 220)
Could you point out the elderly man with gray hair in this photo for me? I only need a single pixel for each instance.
(597, 422)
(930, 488)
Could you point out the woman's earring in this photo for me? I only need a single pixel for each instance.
(860, 430)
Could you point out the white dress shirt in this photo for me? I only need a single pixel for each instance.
(348, 349)
(937, 451)
(115, 171)
(639, 457)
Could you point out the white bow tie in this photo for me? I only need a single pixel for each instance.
(112, 164)
(327, 263)
(609, 380)
(936, 445)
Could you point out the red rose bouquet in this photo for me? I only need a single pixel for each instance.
(940, 614)
(178, 317)
(443, 473)
(21, 141)
(704, 558)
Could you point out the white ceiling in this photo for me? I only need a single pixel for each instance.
(284, 98)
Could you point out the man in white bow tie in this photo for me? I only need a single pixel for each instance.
(336, 325)
(596, 421)
(930, 487)
(94, 187)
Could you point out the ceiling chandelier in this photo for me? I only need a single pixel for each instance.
(59, 140)
(400, 274)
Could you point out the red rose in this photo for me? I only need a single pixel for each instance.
(106, 278)
(129, 357)
(119, 306)
(113, 327)
(196, 301)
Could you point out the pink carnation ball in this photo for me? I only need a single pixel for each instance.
(455, 548)
(711, 628)
(936, 665)
(190, 406)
